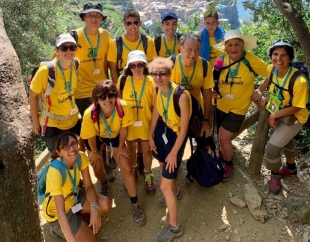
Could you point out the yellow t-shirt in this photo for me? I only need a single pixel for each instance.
(59, 96)
(166, 52)
(144, 111)
(90, 72)
(137, 45)
(90, 128)
(197, 81)
(173, 120)
(300, 93)
(237, 92)
(54, 187)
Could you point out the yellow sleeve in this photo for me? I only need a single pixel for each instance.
(208, 81)
(88, 129)
(128, 115)
(39, 81)
(85, 161)
(112, 52)
(151, 52)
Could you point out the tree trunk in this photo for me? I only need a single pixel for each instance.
(247, 123)
(298, 24)
(260, 139)
(18, 207)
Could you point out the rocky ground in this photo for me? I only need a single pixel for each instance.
(212, 214)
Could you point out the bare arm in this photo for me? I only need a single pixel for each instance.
(155, 117)
(33, 102)
(93, 155)
(282, 113)
(113, 71)
(207, 99)
(258, 92)
(105, 68)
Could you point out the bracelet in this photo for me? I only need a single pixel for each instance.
(95, 151)
(94, 207)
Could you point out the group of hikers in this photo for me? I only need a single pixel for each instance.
(129, 116)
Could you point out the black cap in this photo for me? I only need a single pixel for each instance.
(168, 16)
(92, 7)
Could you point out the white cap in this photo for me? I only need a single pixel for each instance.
(64, 38)
(136, 55)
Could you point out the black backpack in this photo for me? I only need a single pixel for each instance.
(204, 167)
(157, 41)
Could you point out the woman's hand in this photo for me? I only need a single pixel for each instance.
(206, 129)
(263, 102)
(95, 221)
(171, 161)
(256, 95)
(36, 126)
(152, 144)
(94, 157)
(215, 94)
(272, 121)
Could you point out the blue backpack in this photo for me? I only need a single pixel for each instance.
(41, 178)
(205, 168)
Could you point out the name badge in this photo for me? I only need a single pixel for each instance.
(138, 123)
(96, 72)
(76, 208)
(230, 96)
(74, 111)
(165, 138)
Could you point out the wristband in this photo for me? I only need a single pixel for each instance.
(94, 207)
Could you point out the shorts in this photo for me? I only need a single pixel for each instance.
(75, 220)
(164, 149)
(100, 141)
(83, 104)
(52, 133)
(229, 121)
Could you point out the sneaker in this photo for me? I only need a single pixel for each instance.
(161, 202)
(274, 184)
(284, 171)
(140, 163)
(135, 172)
(149, 183)
(108, 171)
(168, 233)
(138, 214)
(228, 171)
(104, 189)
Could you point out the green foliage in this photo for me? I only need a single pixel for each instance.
(190, 25)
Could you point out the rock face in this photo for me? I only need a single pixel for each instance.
(254, 202)
(300, 208)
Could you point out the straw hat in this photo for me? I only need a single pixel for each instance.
(249, 40)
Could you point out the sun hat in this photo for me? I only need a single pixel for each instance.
(280, 43)
(249, 40)
(92, 7)
(136, 55)
(168, 15)
(64, 38)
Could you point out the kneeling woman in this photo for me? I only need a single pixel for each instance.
(67, 203)
(106, 122)
(167, 139)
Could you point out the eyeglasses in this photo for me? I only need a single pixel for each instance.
(74, 145)
(134, 66)
(279, 56)
(110, 95)
(129, 23)
(64, 48)
(282, 40)
(159, 74)
(96, 16)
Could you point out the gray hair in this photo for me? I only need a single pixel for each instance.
(185, 37)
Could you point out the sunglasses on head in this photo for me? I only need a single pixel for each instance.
(129, 23)
(159, 74)
(64, 48)
(110, 95)
(282, 40)
(134, 66)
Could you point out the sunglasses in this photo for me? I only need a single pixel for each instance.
(74, 145)
(64, 48)
(282, 40)
(134, 66)
(159, 74)
(110, 95)
(129, 23)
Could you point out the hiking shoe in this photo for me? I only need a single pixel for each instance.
(135, 171)
(104, 189)
(149, 183)
(228, 171)
(140, 163)
(138, 214)
(274, 184)
(168, 233)
(161, 202)
(108, 171)
(284, 171)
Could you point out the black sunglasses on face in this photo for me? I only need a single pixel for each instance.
(134, 66)
(64, 48)
(129, 23)
(159, 74)
(110, 95)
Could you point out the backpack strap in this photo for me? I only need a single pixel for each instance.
(157, 42)
(122, 84)
(57, 165)
(291, 85)
(144, 42)
(173, 57)
(75, 36)
(247, 63)
(119, 108)
(119, 58)
(176, 96)
(204, 67)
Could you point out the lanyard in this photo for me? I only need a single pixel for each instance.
(126, 46)
(168, 51)
(68, 85)
(184, 79)
(134, 93)
(73, 179)
(93, 51)
(165, 113)
(233, 73)
(107, 126)
(284, 82)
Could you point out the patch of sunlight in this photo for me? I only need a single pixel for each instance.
(289, 232)
(224, 215)
(113, 203)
